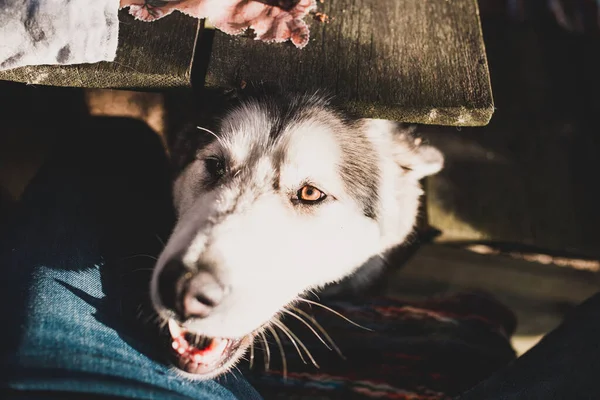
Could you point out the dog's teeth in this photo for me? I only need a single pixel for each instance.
(196, 348)
(218, 346)
(175, 329)
(182, 343)
(211, 354)
(204, 357)
(198, 358)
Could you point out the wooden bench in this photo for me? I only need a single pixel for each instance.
(150, 56)
(406, 60)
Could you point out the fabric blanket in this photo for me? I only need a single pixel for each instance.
(428, 350)
(271, 20)
(36, 32)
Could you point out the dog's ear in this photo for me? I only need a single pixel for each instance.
(409, 151)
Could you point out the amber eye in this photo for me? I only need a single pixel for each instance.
(310, 194)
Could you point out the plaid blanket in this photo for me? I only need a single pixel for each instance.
(428, 350)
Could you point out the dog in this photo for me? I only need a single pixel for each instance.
(277, 195)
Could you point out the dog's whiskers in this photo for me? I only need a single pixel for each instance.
(160, 240)
(235, 375)
(252, 354)
(283, 359)
(139, 313)
(321, 329)
(285, 330)
(212, 133)
(267, 351)
(147, 318)
(162, 323)
(335, 312)
(308, 325)
(293, 338)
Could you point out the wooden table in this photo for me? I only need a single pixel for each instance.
(150, 56)
(407, 60)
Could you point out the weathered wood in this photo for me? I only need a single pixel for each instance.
(150, 56)
(406, 60)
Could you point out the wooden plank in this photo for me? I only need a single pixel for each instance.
(153, 55)
(406, 60)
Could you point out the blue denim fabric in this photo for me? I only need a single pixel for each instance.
(64, 286)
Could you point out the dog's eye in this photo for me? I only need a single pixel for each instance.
(310, 194)
(215, 167)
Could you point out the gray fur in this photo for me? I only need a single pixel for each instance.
(236, 193)
(359, 169)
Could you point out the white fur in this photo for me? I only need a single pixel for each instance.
(270, 250)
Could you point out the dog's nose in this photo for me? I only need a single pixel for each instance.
(201, 295)
(189, 293)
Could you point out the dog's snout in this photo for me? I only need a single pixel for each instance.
(202, 294)
(189, 293)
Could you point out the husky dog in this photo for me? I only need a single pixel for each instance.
(277, 195)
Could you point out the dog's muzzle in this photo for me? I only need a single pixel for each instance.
(191, 294)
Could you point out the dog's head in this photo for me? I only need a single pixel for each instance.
(281, 196)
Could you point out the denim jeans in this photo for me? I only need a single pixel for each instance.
(75, 262)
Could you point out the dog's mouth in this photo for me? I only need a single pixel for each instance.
(202, 355)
